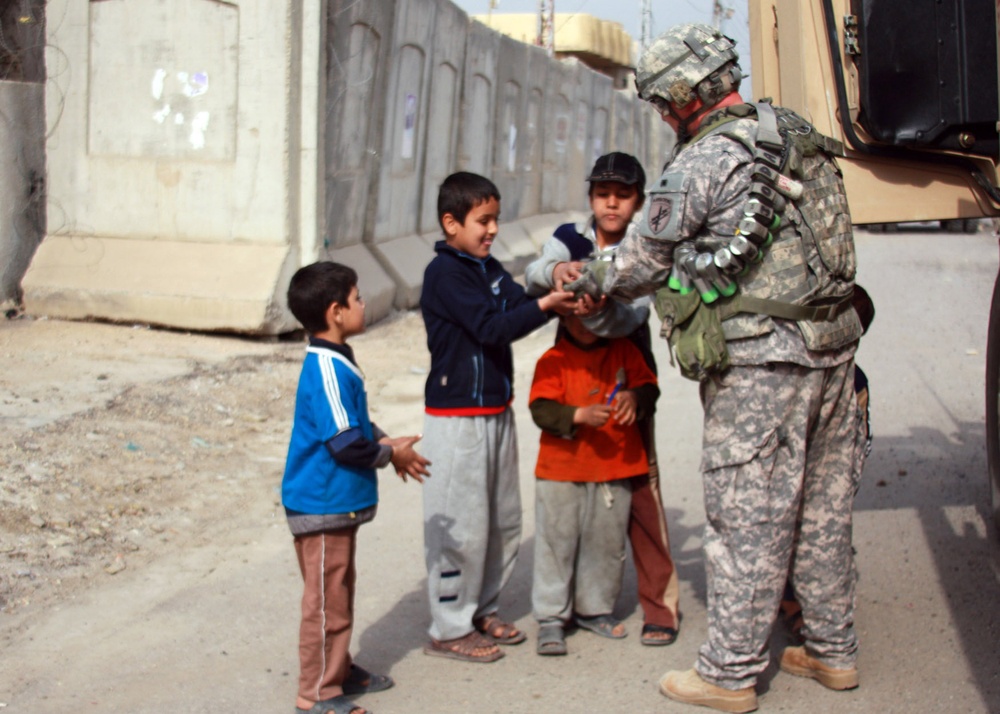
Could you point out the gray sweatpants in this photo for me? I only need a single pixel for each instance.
(472, 517)
(580, 534)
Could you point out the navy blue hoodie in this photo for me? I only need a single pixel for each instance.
(472, 310)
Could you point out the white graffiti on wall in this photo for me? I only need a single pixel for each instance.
(175, 102)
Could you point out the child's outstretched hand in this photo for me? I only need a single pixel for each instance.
(405, 458)
(593, 415)
(564, 273)
(624, 407)
(587, 306)
(562, 302)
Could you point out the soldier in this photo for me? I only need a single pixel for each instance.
(746, 241)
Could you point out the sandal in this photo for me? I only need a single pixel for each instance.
(337, 705)
(551, 640)
(650, 632)
(603, 625)
(465, 648)
(503, 633)
(361, 681)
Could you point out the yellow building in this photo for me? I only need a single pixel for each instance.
(603, 45)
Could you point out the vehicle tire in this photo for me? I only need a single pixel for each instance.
(993, 402)
(953, 226)
(970, 225)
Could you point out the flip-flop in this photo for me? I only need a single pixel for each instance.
(650, 629)
(462, 648)
(551, 640)
(503, 633)
(603, 625)
(337, 705)
(361, 681)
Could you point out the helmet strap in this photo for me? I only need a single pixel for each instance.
(684, 125)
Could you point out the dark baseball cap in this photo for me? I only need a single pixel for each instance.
(619, 167)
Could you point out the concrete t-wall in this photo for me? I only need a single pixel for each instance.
(22, 183)
(200, 151)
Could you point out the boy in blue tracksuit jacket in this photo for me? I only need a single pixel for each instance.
(329, 487)
(472, 310)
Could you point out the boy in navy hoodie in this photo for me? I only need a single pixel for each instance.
(472, 311)
(330, 487)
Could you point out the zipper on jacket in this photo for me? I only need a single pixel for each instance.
(477, 393)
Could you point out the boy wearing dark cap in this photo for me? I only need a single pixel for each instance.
(616, 193)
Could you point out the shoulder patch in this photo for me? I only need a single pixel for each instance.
(664, 205)
(660, 208)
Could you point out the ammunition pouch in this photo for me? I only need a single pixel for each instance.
(694, 330)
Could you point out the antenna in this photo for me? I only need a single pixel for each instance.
(547, 25)
(646, 31)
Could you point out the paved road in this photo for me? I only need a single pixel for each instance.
(213, 629)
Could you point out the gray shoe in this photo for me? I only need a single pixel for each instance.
(551, 640)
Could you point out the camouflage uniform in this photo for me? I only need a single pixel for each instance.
(779, 435)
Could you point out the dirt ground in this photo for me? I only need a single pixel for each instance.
(146, 566)
(123, 443)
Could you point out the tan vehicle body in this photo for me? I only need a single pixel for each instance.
(792, 64)
(802, 63)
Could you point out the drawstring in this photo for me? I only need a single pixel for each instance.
(609, 498)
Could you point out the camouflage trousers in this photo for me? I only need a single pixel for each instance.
(780, 446)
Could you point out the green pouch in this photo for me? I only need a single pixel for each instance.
(694, 331)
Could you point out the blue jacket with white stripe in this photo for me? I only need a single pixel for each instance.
(333, 452)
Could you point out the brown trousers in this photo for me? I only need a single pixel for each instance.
(326, 561)
(658, 586)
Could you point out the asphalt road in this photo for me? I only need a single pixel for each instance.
(213, 629)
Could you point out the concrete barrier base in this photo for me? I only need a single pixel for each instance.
(374, 283)
(405, 260)
(197, 286)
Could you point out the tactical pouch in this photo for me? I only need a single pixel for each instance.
(832, 334)
(694, 331)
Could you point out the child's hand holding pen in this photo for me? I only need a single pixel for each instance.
(624, 407)
(593, 415)
(622, 401)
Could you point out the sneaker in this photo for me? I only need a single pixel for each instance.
(690, 688)
(795, 660)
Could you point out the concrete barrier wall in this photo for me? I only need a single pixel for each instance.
(191, 171)
(22, 183)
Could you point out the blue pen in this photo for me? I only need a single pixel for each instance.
(620, 376)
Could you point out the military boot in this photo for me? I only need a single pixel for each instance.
(690, 688)
(795, 660)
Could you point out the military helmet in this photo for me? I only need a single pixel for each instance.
(679, 60)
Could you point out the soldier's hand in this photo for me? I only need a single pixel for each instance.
(591, 281)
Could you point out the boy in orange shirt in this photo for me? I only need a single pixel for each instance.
(587, 395)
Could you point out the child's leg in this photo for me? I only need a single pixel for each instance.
(457, 520)
(600, 564)
(504, 493)
(558, 515)
(659, 589)
(326, 561)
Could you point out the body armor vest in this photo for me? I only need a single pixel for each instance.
(811, 262)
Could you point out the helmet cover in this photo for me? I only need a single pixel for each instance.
(679, 60)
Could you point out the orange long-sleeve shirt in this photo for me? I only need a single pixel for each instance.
(578, 377)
